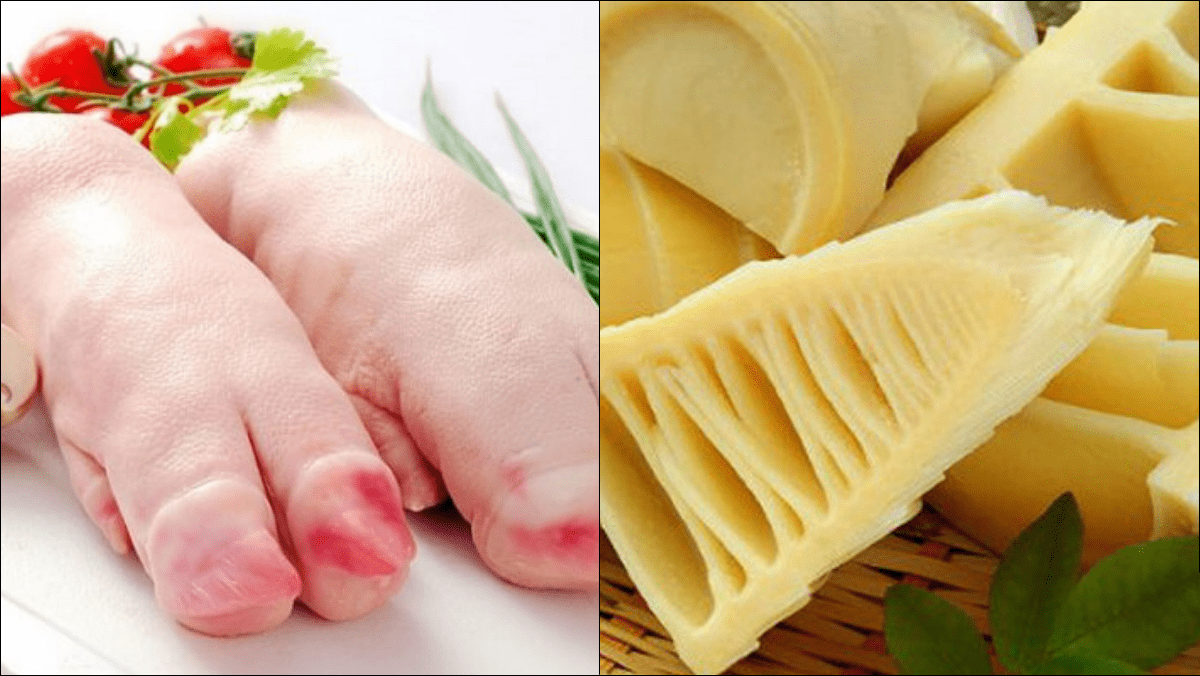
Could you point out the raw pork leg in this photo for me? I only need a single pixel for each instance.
(197, 423)
(438, 310)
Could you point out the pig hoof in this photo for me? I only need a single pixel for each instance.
(543, 535)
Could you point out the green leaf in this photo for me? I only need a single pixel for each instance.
(174, 133)
(284, 62)
(450, 141)
(589, 254)
(587, 246)
(1053, 13)
(1140, 605)
(1069, 664)
(929, 635)
(285, 49)
(557, 231)
(1032, 582)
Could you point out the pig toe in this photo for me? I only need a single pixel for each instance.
(216, 567)
(94, 491)
(545, 532)
(342, 506)
(420, 483)
(349, 535)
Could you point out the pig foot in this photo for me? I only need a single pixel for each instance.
(436, 307)
(198, 426)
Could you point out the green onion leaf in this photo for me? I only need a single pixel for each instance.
(445, 137)
(555, 222)
(448, 140)
(587, 246)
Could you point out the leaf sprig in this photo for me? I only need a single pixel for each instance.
(284, 63)
(1135, 610)
(578, 251)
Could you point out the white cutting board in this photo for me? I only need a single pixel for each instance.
(72, 606)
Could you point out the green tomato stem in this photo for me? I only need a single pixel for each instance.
(187, 79)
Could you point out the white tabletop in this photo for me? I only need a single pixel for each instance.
(71, 606)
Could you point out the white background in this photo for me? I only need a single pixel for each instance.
(542, 57)
(72, 606)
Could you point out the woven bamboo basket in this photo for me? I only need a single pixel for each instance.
(841, 630)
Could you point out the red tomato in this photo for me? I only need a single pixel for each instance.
(67, 56)
(201, 48)
(10, 87)
(130, 122)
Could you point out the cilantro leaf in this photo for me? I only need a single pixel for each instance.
(174, 133)
(284, 62)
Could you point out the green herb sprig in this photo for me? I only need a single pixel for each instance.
(578, 251)
(1135, 610)
(284, 63)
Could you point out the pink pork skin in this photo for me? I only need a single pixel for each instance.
(198, 426)
(471, 354)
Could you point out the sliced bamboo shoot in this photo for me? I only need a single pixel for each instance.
(1103, 115)
(772, 425)
(1116, 427)
(662, 240)
(790, 115)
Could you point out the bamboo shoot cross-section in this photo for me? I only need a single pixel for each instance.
(772, 425)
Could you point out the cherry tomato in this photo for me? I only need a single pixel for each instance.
(67, 56)
(129, 122)
(201, 48)
(10, 87)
